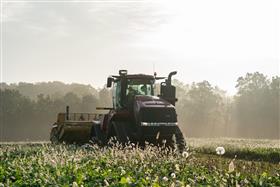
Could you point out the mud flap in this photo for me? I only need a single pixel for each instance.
(97, 136)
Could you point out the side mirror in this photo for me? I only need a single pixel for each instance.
(109, 81)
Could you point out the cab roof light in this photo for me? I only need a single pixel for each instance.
(123, 72)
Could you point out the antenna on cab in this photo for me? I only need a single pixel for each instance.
(155, 73)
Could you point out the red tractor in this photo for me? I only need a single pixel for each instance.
(137, 115)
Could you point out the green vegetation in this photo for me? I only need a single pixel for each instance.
(245, 149)
(89, 165)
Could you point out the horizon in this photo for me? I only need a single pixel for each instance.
(104, 85)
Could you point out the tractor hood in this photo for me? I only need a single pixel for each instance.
(154, 110)
(143, 101)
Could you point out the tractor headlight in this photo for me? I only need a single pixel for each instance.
(159, 123)
(144, 124)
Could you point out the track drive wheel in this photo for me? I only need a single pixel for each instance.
(180, 140)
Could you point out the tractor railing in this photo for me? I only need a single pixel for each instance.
(64, 117)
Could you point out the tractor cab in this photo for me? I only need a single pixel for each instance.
(126, 87)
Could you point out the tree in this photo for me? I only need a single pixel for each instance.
(254, 105)
(15, 109)
(73, 101)
(105, 97)
(275, 104)
(200, 110)
(252, 83)
(89, 103)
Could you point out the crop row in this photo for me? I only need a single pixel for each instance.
(90, 165)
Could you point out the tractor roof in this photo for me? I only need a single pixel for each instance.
(137, 76)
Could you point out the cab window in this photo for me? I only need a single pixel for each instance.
(139, 87)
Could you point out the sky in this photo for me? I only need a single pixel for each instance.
(84, 41)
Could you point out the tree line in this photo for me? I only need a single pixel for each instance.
(27, 110)
(29, 118)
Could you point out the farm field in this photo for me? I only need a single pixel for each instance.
(244, 163)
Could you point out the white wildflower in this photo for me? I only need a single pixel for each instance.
(106, 182)
(185, 154)
(128, 179)
(220, 150)
(177, 167)
(123, 172)
(97, 169)
(236, 184)
(53, 162)
(179, 183)
(157, 137)
(173, 175)
(74, 184)
(231, 167)
(86, 146)
(165, 178)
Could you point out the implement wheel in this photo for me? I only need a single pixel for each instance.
(54, 135)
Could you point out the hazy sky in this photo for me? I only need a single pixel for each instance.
(85, 41)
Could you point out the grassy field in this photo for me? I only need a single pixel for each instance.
(244, 163)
